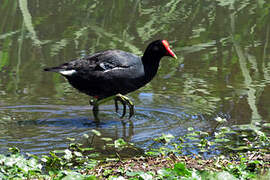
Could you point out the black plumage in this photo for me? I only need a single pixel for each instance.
(112, 72)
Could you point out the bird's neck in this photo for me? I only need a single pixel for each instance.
(151, 64)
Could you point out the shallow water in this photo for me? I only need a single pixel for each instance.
(222, 68)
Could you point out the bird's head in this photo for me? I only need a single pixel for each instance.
(159, 48)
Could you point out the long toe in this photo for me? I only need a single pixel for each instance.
(126, 101)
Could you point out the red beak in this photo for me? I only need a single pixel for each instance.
(169, 51)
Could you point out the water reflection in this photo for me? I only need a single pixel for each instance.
(41, 128)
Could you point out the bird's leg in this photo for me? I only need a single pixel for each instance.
(118, 97)
(125, 101)
(94, 103)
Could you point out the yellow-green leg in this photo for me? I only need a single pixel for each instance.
(94, 103)
(118, 97)
(125, 101)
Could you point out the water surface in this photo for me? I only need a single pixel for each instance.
(222, 68)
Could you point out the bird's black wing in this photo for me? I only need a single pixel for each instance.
(105, 61)
(104, 74)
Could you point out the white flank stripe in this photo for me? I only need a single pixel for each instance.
(68, 72)
(116, 68)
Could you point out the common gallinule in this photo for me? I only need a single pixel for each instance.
(111, 74)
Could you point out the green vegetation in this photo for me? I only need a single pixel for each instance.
(164, 162)
(15, 166)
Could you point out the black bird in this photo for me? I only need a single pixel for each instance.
(111, 74)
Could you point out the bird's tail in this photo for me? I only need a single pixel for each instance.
(62, 70)
(53, 69)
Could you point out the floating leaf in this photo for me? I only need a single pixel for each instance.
(107, 139)
(120, 143)
(220, 120)
(165, 138)
(68, 154)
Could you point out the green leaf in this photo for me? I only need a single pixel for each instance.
(165, 138)
(70, 139)
(68, 154)
(181, 170)
(76, 153)
(132, 173)
(120, 143)
(220, 120)
(165, 172)
(14, 150)
(146, 176)
(107, 139)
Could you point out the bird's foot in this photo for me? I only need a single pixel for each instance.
(125, 101)
(117, 98)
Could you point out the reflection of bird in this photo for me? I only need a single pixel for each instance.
(111, 74)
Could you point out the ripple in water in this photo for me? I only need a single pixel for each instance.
(39, 129)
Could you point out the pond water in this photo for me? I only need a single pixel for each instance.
(223, 68)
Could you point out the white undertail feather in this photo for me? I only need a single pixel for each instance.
(68, 72)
